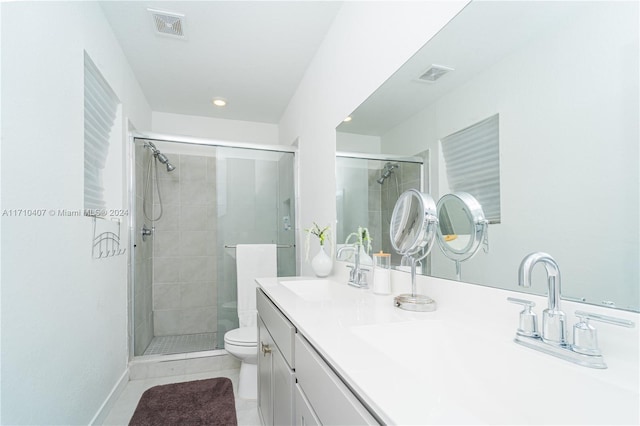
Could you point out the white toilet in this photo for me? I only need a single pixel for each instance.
(252, 260)
(242, 343)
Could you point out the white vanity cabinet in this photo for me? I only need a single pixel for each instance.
(321, 396)
(276, 380)
(295, 385)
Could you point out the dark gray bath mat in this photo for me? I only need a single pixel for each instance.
(201, 402)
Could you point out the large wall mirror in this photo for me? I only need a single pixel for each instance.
(562, 80)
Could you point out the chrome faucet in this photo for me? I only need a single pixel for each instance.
(553, 319)
(357, 275)
(584, 349)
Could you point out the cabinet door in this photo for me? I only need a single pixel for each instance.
(304, 415)
(283, 381)
(265, 373)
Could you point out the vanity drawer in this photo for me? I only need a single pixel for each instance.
(330, 399)
(280, 329)
(304, 413)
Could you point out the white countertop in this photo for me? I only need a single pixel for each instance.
(458, 365)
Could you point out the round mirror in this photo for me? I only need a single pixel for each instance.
(461, 225)
(411, 229)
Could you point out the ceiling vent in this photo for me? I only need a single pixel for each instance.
(168, 23)
(434, 73)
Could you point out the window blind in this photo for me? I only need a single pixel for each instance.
(100, 109)
(473, 164)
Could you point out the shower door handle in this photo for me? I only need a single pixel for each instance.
(266, 349)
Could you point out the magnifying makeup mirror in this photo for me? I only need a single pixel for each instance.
(462, 227)
(412, 230)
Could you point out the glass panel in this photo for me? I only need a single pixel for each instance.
(185, 271)
(255, 206)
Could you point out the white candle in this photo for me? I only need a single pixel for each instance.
(381, 281)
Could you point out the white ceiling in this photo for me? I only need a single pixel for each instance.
(253, 53)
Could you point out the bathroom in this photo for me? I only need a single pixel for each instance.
(66, 332)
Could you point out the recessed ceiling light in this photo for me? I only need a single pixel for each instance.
(348, 119)
(220, 102)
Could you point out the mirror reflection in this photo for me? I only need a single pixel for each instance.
(462, 228)
(562, 80)
(368, 187)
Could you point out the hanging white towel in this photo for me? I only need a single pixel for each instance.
(253, 261)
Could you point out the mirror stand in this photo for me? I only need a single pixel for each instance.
(414, 301)
(412, 231)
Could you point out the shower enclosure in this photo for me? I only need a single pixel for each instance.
(368, 187)
(194, 202)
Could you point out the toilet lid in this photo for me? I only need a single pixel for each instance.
(244, 336)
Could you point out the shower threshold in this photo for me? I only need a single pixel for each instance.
(166, 345)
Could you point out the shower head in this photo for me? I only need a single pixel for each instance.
(160, 156)
(164, 160)
(386, 172)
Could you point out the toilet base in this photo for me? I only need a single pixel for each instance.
(248, 381)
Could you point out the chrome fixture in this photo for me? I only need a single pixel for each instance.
(357, 275)
(584, 349)
(386, 172)
(146, 191)
(146, 232)
(160, 156)
(553, 319)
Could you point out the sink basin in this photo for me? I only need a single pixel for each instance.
(310, 290)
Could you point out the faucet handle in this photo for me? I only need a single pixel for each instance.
(585, 336)
(528, 325)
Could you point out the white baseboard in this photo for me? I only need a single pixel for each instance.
(108, 403)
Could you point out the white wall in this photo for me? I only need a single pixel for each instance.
(366, 43)
(64, 315)
(215, 128)
(351, 142)
(558, 115)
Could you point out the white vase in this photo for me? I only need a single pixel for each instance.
(365, 259)
(322, 263)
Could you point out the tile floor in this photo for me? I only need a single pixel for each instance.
(125, 405)
(179, 344)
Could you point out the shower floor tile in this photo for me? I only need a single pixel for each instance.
(166, 345)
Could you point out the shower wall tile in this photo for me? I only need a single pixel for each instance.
(169, 215)
(141, 305)
(198, 295)
(211, 170)
(211, 223)
(167, 322)
(193, 168)
(167, 296)
(197, 268)
(169, 191)
(199, 320)
(165, 243)
(193, 217)
(197, 192)
(185, 259)
(166, 269)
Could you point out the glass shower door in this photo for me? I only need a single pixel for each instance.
(255, 204)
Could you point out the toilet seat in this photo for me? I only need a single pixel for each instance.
(244, 336)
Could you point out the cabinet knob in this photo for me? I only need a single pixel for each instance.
(266, 349)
